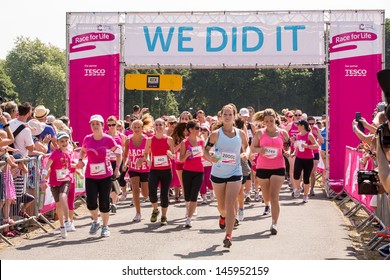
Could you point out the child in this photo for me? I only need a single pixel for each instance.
(60, 178)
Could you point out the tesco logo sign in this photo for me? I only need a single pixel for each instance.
(94, 72)
(355, 72)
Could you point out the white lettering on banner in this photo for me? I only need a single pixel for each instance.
(355, 72)
(62, 174)
(197, 151)
(204, 39)
(160, 161)
(228, 158)
(94, 72)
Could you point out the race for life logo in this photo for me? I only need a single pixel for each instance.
(93, 71)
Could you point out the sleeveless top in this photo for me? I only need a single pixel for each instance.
(273, 157)
(293, 132)
(194, 162)
(136, 153)
(159, 148)
(306, 153)
(230, 150)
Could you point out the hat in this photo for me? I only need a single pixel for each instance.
(62, 135)
(304, 123)
(172, 119)
(205, 126)
(50, 119)
(244, 112)
(98, 118)
(381, 106)
(41, 112)
(37, 127)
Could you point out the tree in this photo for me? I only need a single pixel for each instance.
(38, 72)
(7, 91)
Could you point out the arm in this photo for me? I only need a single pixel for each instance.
(118, 154)
(184, 154)
(383, 167)
(171, 151)
(125, 154)
(80, 164)
(210, 143)
(370, 127)
(314, 145)
(363, 137)
(255, 146)
(45, 174)
(245, 147)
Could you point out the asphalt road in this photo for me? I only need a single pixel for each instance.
(313, 231)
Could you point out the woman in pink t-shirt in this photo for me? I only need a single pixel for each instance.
(60, 178)
(270, 166)
(98, 172)
(138, 169)
(191, 154)
(305, 144)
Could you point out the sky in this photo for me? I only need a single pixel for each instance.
(46, 19)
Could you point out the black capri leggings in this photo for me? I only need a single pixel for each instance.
(192, 181)
(305, 164)
(164, 177)
(98, 189)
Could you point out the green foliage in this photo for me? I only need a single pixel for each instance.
(38, 72)
(387, 43)
(7, 91)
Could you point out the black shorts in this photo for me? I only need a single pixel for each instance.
(245, 178)
(267, 173)
(316, 156)
(217, 180)
(143, 176)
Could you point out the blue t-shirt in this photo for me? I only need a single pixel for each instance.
(48, 130)
(323, 134)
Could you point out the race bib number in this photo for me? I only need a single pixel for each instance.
(270, 152)
(160, 161)
(197, 151)
(228, 158)
(98, 169)
(62, 174)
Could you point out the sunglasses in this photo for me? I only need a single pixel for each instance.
(111, 125)
(159, 124)
(172, 123)
(290, 116)
(203, 129)
(297, 115)
(196, 127)
(311, 123)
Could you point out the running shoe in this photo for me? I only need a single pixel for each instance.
(305, 199)
(94, 228)
(211, 196)
(248, 199)
(240, 214)
(257, 197)
(222, 224)
(154, 216)
(267, 210)
(123, 196)
(274, 229)
(113, 208)
(312, 192)
(227, 242)
(236, 223)
(297, 193)
(164, 221)
(63, 232)
(204, 199)
(137, 218)
(188, 223)
(105, 232)
(69, 226)
(384, 232)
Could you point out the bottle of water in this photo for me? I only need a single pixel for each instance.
(218, 157)
(191, 156)
(41, 199)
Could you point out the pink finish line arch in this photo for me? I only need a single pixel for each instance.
(348, 44)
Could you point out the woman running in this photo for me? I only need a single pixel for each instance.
(270, 166)
(134, 153)
(206, 184)
(160, 147)
(98, 172)
(191, 153)
(226, 172)
(305, 143)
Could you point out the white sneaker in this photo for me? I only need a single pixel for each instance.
(204, 199)
(69, 226)
(297, 193)
(257, 197)
(137, 218)
(211, 195)
(274, 229)
(123, 196)
(305, 199)
(63, 232)
(240, 214)
(188, 223)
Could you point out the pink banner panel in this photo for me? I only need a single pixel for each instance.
(351, 167)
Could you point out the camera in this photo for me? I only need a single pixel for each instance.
(368, 182)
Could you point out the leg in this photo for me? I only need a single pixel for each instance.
(135, 182)
(166, 178)
(275, 185)
(220, 190)
(231, 191)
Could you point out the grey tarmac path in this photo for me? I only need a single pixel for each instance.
(313, 231)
